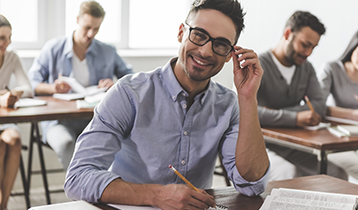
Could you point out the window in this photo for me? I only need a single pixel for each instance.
(128, 24)
(155, 23)
(24, 19)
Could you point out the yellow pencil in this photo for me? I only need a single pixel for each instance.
(194, 188)
(183, 178)
(309, 103)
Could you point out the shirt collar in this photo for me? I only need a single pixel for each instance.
(174, 88)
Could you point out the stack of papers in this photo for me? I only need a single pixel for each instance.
(27, 102)
(334, 130)
(349, 130)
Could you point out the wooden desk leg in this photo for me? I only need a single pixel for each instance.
(35, 136)
(322, 162)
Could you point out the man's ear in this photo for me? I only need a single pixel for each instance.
(228, 57)
(78, 18)
(181, 32)
(286, 33)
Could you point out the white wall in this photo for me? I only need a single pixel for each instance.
(264, 22)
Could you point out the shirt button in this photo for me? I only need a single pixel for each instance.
(185, 133)
(183, 94)
(183, 162)
(173, 97)
(184, 106)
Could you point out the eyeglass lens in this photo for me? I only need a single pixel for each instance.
(200, 38)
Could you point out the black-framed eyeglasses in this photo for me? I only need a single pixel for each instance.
(200, 37)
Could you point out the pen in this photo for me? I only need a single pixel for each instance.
(309, 103)
(183, 178)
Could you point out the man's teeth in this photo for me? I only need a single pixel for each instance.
(200, 62)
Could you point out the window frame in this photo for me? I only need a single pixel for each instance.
(51, 24)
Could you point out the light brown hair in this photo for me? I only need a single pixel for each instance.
(92, 8)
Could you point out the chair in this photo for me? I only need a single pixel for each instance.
(24, 181)
(222, 171)
(35, 137)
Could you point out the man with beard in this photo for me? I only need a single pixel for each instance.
(288, 78)
(176, 115)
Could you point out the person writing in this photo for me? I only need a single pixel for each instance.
(339, 79)
(176, 115)
(82, 57)
(288, 78)
(10, 139)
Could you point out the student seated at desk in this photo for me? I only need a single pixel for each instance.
(10, 140)
(339, 79)
(288, 78)
(176, 115)
(88, 60)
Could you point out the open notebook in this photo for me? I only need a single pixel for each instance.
(78, 90)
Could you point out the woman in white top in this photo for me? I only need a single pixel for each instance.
(339, 78)
(10, 142)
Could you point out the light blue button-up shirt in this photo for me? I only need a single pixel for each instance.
(144, 125)
(56, 58)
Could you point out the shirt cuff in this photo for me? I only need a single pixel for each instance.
(250, 188)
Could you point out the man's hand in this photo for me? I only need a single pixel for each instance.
(8, 100)
(60, 86)
(105, 83)
(247, 76)
(308, 118)
(177, 196)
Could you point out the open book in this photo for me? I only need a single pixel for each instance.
(303, 199)
(128, 207)
(78, 90)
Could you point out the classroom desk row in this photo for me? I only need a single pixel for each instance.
(319, 142)
(230, 198)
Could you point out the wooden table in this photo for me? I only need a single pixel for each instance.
(318, 142)
(232, 199)
(55, 109)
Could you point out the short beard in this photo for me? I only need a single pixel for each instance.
(196, 78)
(290, 51)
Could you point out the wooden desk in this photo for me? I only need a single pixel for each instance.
(55, 109)
(318, 142)
(230, 198)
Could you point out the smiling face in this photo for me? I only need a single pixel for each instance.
(300, 45)
(5, 39)
(88, 27)
(200, 63)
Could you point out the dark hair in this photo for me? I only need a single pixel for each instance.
(346, 56)
(300, 19)
(4, 21)
(231, 8)
(92, 8)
